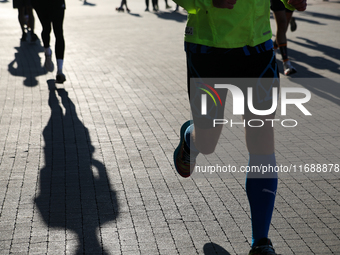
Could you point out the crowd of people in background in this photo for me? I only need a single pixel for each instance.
(155, 7)
(53, 15)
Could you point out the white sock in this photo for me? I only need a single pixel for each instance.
(60, 63)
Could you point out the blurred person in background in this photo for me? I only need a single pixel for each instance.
(51, 13)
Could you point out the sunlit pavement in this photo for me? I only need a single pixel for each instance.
(86, 167)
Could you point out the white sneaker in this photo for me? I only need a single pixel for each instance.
(288, 69)
(49, 66)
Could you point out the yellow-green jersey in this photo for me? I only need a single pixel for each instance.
(248, 23)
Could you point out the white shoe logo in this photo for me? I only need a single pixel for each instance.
(269, 191)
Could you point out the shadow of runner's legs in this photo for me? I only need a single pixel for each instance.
(71, 197)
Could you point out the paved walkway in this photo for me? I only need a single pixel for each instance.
(87, 168)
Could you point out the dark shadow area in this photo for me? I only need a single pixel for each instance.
(325, 49)
(75, 192)
(317, 62)
(135, 14)
(319, 85)
(177, 16)
(89, 4)
(322, 87)
(214, 249)
(321, 15)
(311, 21)
(27, 63)
(299, 19)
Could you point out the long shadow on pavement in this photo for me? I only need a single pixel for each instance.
(177, 16)
(321, 15)
(89, 4)
(320, 86)
(311, 21)
(75, 191)
(325, 49)
(27, 63)
(318, 63)
(135, 14)
(212, 248)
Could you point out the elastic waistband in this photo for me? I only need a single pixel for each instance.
(243, 51)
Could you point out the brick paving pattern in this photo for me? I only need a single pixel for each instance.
(86, 167)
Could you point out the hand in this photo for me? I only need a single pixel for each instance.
(299, 5)
(229, 4)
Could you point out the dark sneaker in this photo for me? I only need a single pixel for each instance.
(184, 162)
(293, 25)
(263, 247)
(60, 78)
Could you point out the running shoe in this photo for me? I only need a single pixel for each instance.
(120, 9)
(264, 247)
(60, 78)
(184, 159)
(293, 25)
(49, 66)
(288, 69)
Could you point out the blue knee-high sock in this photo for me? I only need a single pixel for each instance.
(261, 192)
(188, 138)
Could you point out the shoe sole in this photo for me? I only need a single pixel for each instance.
(183, 128)
(60, 81)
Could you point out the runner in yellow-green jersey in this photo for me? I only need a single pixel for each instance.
(231, 39)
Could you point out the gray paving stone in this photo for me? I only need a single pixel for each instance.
(87, 168)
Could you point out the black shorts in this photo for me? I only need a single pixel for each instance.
(277, 5)
(257, 70)
(17, 4)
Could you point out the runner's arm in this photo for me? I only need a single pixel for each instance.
(292, 5)
(192, 6)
